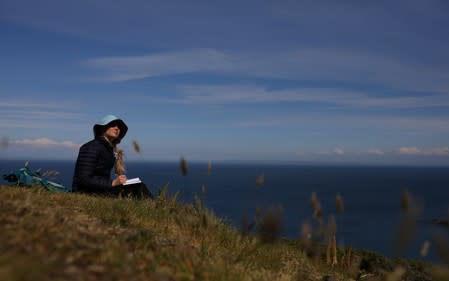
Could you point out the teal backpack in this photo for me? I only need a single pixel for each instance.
(25, 177)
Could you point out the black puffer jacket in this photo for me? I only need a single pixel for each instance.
(93, 167)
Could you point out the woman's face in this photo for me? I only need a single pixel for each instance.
(112, 132)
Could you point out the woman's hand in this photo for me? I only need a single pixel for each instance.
(119, 180)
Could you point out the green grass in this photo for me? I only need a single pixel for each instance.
(55, 236)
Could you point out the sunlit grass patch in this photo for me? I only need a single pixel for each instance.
(65, 236)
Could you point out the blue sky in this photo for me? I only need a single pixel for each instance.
(307, 81)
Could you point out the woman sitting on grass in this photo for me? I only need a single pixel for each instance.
(96, 159)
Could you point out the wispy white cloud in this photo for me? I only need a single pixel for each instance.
(338, 151)
(46, 142)
(258, 123)
(402, 151)
(330, 121)
(28, 102)
(154, 24)
(302, 64)
(137, 67)
(413, 150)
(333, 152)
(341, 152)
(35, 115)
(30, 113)
(228, 94)
(374, 151)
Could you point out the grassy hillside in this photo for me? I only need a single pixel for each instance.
(54, 236)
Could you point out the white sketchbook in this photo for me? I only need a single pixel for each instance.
(132, 181)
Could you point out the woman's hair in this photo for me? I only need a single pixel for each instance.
(119, 166)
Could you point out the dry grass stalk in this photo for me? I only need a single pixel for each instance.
(4, 143)
(334, 251)
(316, 206)
(348, 256)
(425, 249)
(209, 168)
(260, 180)
(270, 225)
(331, 226)
(340, 204)
(306, 232)
(306, 235)
(136, 146)
(26, 164)
(411, 210)
(441, 243)
(331, 253)
(405, 200)
(315, 255)
(246, 225)
(183, 166)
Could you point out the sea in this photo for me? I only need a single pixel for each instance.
(373, 197)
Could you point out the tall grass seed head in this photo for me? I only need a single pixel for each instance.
(405, 200)
(209, 168)
(136, 146)
(260, 180)
(331, 226)
(183, 166)
(316, 206)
